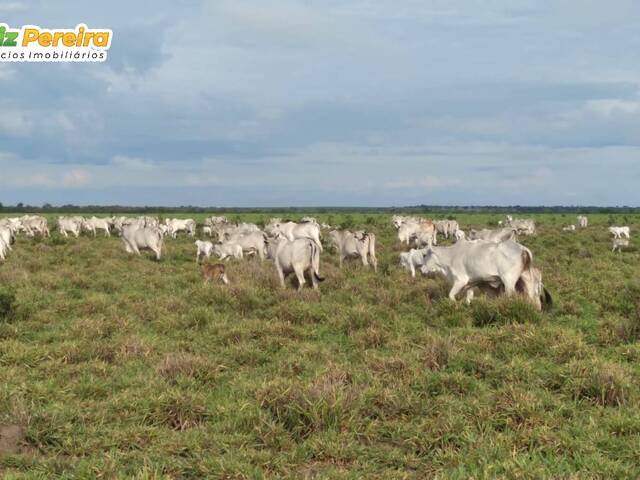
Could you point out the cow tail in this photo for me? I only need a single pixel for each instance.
(527, 259)
(315, 261)
(372, 250)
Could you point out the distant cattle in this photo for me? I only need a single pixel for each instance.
(499, 235)
(71, 225)
(93, 224)
(620, 232)
(569, 228)
(583, 222)
(355, 245)
(176, 225)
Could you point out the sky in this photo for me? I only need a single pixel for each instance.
(246, 103)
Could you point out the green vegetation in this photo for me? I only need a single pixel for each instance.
(116, 366)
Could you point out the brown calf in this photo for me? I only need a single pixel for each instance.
(214, 272)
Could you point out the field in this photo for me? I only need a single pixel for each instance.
(117, 366)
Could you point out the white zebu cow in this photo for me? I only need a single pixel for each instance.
(297, 257)
(226, 231)
(213, 221)
(70, 224)
(207, 230)
(569, 228)
(7, 236)
(412, 259)
(4, 249)
(203, 249)
(619, 243)
(33, 224)
(181, 225)
(136, 238)
(470, 264)
(499, 235)
(523, 227)
(424, 231)
(619, 232)
(460, 235)
(93, 224)
(583, 222)
(446, 227)
(251, 243)
(352, 245)
(399, 220)
(292, 231)
(228, 250)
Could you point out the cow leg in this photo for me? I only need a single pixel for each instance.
(469, 296)
(280, 275)
(314, 280)
(458, 285)
(413, 270)
(300, 276)
(340, 259)
(224, 279)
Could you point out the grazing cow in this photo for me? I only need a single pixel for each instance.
(207, 230)
(569, 228)
(292, 231)
(298, 256)
(181, 225)
(214, 272)
(529, 284)
(251, 243)
(226, 231)
(500, 235)
(412, 259)
(203, 249)
(227, 250)
(619, 232)
(352, 245)
(399, 220)
(619, 243)
(93, 224)
(136, 238)
(471, 263)
(213, 221)
(460, 235)
(70, 224)
(583, 222)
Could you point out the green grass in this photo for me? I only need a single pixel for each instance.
(116, 366)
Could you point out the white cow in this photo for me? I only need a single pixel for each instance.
(471, 263)
(93, 224)
(70, 224)
(522, 227)
(203, 249)
(33, 224)
(228, 250)
(298, 256)
(176, 225)
(207, 230)
(251, 243)
(619, 232)
(292, 231)
(7, 236)
(136, 238)
(352, 245)
(619, 243)
(412, 259)
(583, 222)
(424, 231)
(499, 235)
(4, 248)
(460, 235)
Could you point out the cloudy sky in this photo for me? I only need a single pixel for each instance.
(326, 102)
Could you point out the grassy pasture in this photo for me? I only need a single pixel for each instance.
(116, 366)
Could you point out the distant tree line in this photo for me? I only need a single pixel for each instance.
(122, 209)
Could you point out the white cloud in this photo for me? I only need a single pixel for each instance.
(132, 163)
(76, 178)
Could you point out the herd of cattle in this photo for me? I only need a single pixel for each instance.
(489, 260)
